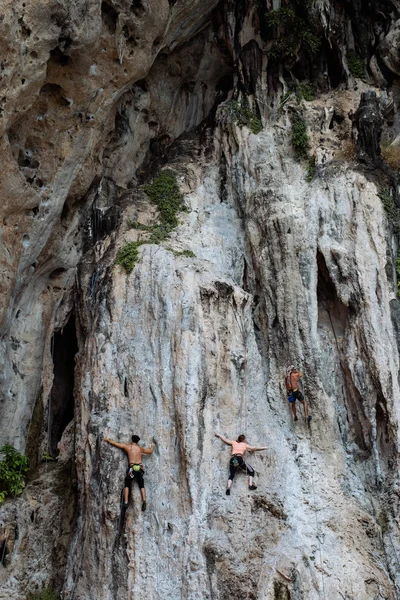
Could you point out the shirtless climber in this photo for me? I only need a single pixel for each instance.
(292, 386)
(135, 470)
(239, 447)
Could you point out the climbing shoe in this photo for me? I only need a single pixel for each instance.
(309, 418)
(228, 492)
(125, 504)
(295, 419)
(144, 505)
(252, 487)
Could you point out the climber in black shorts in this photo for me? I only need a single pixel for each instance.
(134, 453)
(134, 473)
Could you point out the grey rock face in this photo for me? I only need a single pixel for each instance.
(278, 270)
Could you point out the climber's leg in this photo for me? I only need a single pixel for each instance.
(232, 471)
(127, 488)
(250, 472)
(140, 480)
(305, 406)
(292, 401)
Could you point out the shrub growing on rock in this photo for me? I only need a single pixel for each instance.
(356, 65)
(305, 91)
(45, 594)
(128, 255)
(241, 114)
(293, 32)
(13, 467)
(392, 211)
(300, 141)
(165, 194)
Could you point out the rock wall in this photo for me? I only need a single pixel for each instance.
(278, 259)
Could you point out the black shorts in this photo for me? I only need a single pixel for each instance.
(242, 465)
(132, 475)
(297, 395)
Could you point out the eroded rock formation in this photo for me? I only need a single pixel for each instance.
(278, 259)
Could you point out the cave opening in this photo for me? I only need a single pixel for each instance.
(61, 406)
(109, 16)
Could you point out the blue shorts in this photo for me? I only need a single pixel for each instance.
(293, 396)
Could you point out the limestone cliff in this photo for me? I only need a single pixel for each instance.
(280, 125)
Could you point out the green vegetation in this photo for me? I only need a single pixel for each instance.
(294, 31)
(311, 170)
(45, 594)
(128, 256)
(242, 115)
(187, 253)
(398, 272)
(300, 141)
(393, 216)
(305, 91)
(47, 457)
(356, 65)
(13, 467)
(392, 211)
(164, 193)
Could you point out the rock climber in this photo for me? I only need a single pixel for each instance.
(135, 470)
(239, 447)
(292, 386)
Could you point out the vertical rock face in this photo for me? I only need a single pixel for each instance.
(277, 260)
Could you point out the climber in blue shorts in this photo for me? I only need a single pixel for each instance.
(292, 386)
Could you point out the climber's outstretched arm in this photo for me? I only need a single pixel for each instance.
(223, 439)
(116, 444)
(150, 450)
(255, 448)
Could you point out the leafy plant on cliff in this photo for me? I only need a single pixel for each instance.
(356, 65)
(311, 169)
(305, 91)
(293, 30)
(45, 594)
(241, 114)
(165, 194)
(13, 467)
(300, 140)
(186, 253)
(392, 211)
(128, 256)
(398, 272)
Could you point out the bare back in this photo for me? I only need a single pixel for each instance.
(134, 453)
(294, 379)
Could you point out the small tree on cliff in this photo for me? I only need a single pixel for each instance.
(13, 467)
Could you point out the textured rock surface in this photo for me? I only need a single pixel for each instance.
(285, 270)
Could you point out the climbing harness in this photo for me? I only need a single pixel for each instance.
(235, 461)
(135, 468)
